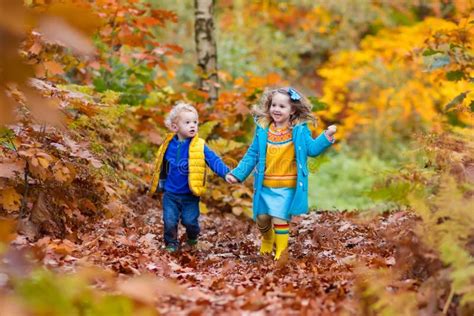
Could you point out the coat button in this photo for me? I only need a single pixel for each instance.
(299, 147)
(301, 184)
(301, 166)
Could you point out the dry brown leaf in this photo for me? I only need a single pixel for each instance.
(62, 173)
(43, 162)
(6, 109)
(7, 230)
(147, 288)
(44, 110)
(10, 199)
(12, 169)
(237, 210)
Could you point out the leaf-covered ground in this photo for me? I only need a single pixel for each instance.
(225, 274)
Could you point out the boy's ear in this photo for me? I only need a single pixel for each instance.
(174, 127)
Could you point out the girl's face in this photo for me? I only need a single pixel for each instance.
(280, 109)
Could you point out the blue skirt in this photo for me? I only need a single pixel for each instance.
(276, 202)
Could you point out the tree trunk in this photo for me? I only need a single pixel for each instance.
(206, 48)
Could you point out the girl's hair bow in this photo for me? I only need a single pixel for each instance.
(294, 96)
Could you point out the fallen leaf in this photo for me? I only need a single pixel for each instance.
(10, 199)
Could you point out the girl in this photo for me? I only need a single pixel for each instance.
(279, 152)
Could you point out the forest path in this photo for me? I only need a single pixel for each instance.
(225, 275)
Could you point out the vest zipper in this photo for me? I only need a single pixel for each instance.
(178, 153)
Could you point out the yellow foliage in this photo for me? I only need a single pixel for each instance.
(222, 146)
(386, 80)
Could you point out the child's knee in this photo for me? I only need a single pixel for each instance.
(264, 220)
(279, 221)
(190, 222)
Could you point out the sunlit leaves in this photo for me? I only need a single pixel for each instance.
(206, 128)
(389, 83)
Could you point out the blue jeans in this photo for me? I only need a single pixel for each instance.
(176, 207)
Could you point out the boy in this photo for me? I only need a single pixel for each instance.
(180, 171)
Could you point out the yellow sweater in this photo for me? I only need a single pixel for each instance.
(280, 168)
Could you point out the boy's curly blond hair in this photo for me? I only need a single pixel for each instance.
(176, 110)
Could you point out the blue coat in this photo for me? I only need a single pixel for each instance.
(255, 158)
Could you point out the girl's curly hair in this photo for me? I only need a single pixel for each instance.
(302, 107)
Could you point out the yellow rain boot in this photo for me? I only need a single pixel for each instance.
(264, 225)
(281, 238)
(267, 242)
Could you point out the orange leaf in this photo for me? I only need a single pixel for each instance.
(61, 173)
(34, 162)
(10, 199)
(43, 162)
(148, 21)
(53, 68)
(35, 48)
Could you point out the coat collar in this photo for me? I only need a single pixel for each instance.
(174, 137)
(264, 123)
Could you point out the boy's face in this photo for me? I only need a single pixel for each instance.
(186, 125)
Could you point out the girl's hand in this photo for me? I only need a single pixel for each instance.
(331, 130)
(230, 178)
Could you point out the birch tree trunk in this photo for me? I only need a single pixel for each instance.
(206, 47)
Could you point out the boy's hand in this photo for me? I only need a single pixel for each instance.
(230, 179)
(331, 130)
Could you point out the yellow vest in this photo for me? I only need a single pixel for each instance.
(197, 165)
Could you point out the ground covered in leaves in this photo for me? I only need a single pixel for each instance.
(225, 274)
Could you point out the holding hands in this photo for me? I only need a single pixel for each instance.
(231, 179)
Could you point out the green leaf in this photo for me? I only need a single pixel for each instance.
(317, 104)
(7, 145)
(454, 75)
(430, 52)
(457, 100)
(6, 136)
(6, 133)
(472, 106)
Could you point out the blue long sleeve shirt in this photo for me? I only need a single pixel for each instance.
(176, 162)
